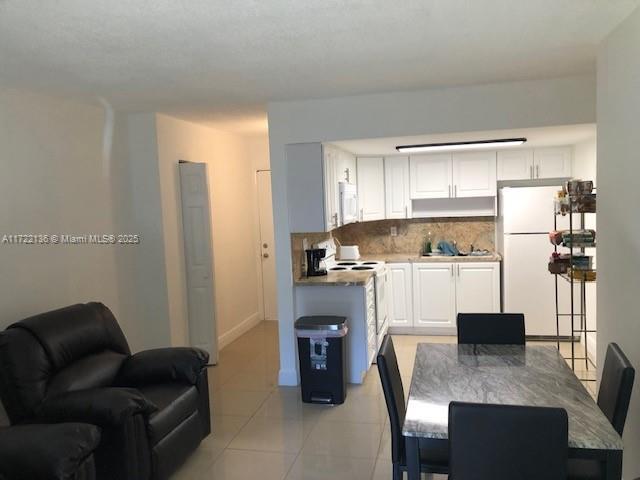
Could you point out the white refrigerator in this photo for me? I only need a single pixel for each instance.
(525, 219)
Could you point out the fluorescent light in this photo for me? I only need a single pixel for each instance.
(450, 146)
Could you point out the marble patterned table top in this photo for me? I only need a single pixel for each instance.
(502, 374)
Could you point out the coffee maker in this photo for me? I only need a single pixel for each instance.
(314, 257)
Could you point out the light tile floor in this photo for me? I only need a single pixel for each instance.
(264, 431)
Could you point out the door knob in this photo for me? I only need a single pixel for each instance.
(264, 245)
(265, 255)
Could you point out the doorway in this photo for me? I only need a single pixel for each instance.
(268, 261)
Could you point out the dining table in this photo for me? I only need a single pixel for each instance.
(534, 375)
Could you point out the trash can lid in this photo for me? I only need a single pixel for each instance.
(321, 322)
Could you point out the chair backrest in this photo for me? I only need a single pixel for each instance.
(506, 442)
(491, 328)
(616, 385)
(393, 395)
(72, 348)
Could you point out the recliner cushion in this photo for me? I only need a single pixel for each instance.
(175, 402)
(93, 371)
(70, 333)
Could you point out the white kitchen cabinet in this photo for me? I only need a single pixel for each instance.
(474, 174)
(331, 197)
(515, 165)
(441, 290)
(396, 184)
(477, 287)
(371, 202)
(552, 162)
(401, 295)
(430, 176)
(434, 296)
(345, 166)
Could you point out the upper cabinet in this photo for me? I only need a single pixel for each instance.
(345, 165)
(430, 176)
(552, 162)
(515, 164)
(536, 164)
(331, 191)
(458, 175)
(396, 186)
(371, 201)
(474, 174)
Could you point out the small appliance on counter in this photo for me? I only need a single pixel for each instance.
(349, 252)
(314, 258)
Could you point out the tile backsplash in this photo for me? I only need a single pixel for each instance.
(375, 237)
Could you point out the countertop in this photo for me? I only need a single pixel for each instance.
(415, 258)
(503, 374)
(349, 279)
(332, 279)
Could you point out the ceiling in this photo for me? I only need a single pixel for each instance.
(220, 62)
(536, 137)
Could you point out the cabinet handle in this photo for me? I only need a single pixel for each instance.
(406, 212)
(449, 191)
(362, 214)
(455, 191)
(451, 271)
(335, 219)
(537, 171)
(531, 171)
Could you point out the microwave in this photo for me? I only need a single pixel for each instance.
(348, 203)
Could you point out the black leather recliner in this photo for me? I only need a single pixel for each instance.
(74, 365)
(63, 451)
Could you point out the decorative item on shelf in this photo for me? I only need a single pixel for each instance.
(581, 275)
(559, 263)
(579, 187)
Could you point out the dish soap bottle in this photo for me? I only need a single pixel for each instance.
(428, 244)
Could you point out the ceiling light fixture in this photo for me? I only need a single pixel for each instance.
(450, 146)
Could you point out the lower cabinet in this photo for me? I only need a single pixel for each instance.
(426, 297)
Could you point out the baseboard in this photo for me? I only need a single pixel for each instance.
(243, 327)
(288, 377)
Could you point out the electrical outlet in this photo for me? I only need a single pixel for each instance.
(394, 231)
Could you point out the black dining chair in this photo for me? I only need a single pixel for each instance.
(491, 328)
(506, 442)
(614, 396)
(434, 455)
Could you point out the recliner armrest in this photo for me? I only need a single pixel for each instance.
(52, 452)
(177, 364)
(97, 406)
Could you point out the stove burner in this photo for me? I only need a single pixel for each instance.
(361, 267)
(347, 263)
(369, 263)
(338, 268)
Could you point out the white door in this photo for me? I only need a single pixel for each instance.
(474, 174)
(401, 295)
(528, 286)
(430, 176)
(198, 252)
(477, 287)
(396, 184)
(434, 297)
(330, 188)
(552, 162)
(371, 188)
(515, 165)
(267, 250)
(529, 209)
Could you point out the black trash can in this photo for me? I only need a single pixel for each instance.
(322, 356)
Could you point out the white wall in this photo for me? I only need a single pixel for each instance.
(562, 101)
(618, 200)
(52, 181)
(234, 224)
